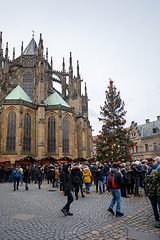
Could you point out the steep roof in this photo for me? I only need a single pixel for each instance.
(19, 93)
(55, 99)
(30, 49)
(149, 129)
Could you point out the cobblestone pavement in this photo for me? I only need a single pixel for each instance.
(35, 214)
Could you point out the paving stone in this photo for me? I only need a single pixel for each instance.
(90, 220)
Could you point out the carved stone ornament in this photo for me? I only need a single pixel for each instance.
(1, 110)
(20, 109)
(60, 113)
(41, 120)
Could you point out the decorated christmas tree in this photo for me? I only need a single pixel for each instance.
(114, 141)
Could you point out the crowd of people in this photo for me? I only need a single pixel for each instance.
(120, 179)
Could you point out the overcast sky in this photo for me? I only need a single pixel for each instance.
(117, 39)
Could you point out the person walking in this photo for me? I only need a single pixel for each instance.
(77, 178)
(67, 187)
(21, 169)
(114, 182)
(26, 177)
(39, 177)
(16, 174)
(87, 175)
(150, 187)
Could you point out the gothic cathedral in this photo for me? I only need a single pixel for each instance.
(35, 118)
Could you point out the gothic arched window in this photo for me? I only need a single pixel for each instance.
(27, 133)
(51, 146)
(65, 135)
(28, 82)
(11, 132)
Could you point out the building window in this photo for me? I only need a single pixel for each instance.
(146, 148)
(133, 150)
(27, 133)
(28, 83)
(51, 135)
(136, 149)
(155, 146)
(65, 135)
(11, 132)
(154, 130)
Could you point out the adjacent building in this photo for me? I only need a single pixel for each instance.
(147, 137)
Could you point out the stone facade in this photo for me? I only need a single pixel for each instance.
(36, 76)
(147, 137)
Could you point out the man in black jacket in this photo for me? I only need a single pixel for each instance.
(67, 186)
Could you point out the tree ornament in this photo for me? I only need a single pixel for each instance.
(109, 95)
(111, 82)
(109, 112)
(112, 121)
(106, 155)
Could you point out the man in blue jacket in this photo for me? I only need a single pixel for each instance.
(114, 182)
(17, 175)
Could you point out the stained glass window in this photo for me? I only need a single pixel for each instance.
(28, 82)
(65, 135)
(11, 132)
(51, 135)
(27, 133)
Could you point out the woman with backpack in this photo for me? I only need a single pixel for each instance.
(150, 187)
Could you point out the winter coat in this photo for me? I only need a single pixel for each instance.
(129, 175)
(117, 176)
(87, 175)
(137, 172)
(66, 178)
(158, 179)
(76, 176)
(16, 173)
(27, 174)
(49, 173)
(124, 176)
(56, 173)
(99, 174)
(150, 185)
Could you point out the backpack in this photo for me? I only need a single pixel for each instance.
(150, 186)
(111, 181)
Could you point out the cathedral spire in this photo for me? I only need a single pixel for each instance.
(22, 49)
(6, 54)
(51, 63)
(63, 65)
(70, 66)
(0, 40)
(85, 90)
(78, 69)
(70, 60)
(47, 54)
(13, 53)
(40, 46)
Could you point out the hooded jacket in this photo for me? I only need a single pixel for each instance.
(87, 175)
(66, 178)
